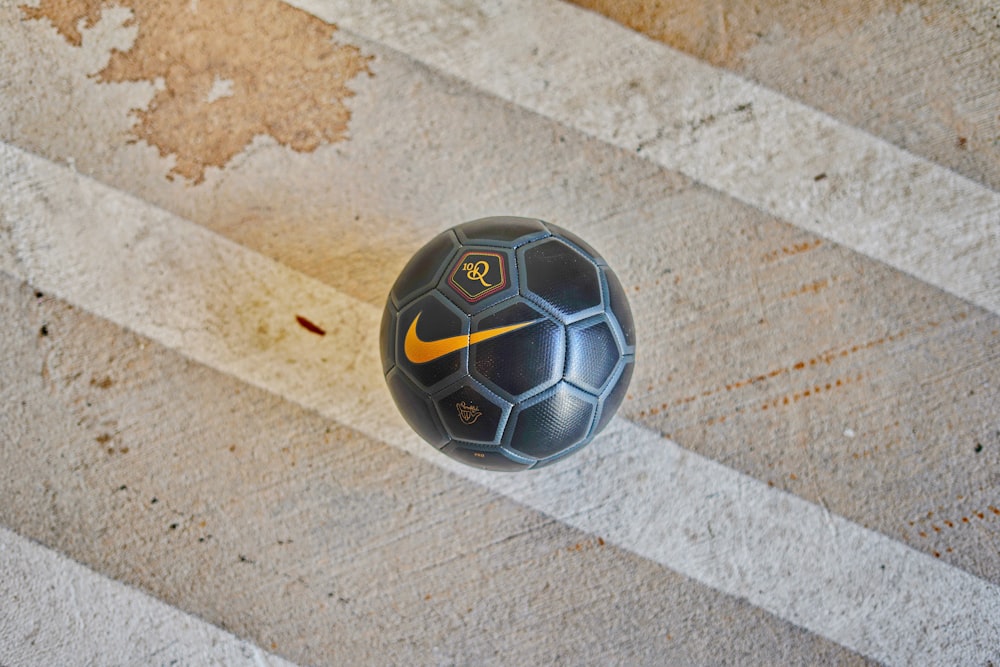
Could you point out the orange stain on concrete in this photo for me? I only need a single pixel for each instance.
(720, 32)
(226, 72)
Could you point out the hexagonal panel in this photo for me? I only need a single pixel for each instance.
(504, 231)
(472, 413)
(577, 241)
(614, 395)
(592, 353)
(387, 337)
(560, 277)
(480, 277)
(618, 304)
(424, 269)
(432, 342)
(485, 458)
(552, 422)
(522, 361)
(416, 408)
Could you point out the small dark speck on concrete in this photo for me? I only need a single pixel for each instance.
(122, 487)
(44, 331)
(978, 448)
(173, 526)
(153, 501)
(819, 177)
(309, 326)
(39, 295)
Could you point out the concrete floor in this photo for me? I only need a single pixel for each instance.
(807, 466)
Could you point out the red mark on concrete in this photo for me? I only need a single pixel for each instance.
(309, 326)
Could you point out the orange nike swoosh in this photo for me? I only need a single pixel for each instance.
(421, 351)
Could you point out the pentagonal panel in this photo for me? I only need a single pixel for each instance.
(516, 349)
(480, 277)
(577, 241)
(416, 408)
(485, 458)
(505, 231)
(614, 395)
(618, 304)
(560, 277)
(591, 353)
(387, 337)
(472, 413)
(424, 269)
(432, 342)
(552, 422)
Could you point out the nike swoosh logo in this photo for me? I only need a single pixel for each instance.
(421, 351)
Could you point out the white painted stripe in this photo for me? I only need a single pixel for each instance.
(188, 289)
(751, 143)
(54, 611)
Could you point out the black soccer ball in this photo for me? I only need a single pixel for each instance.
(507, 343)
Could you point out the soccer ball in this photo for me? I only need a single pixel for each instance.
(507, 343)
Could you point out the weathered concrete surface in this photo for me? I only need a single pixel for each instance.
(57, 612)
(890, 419)
(318, 543)
(641, 492)
(718, 128)
(922, 75)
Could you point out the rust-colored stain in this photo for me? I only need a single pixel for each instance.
(721, 32)
(103, 383)
(815, 390)
(941, 527)
(225, 72)
(309, 326)
(815, 287)
(827, 357)
(587, 544)
(795, 249)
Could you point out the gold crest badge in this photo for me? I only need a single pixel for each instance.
(468, 412)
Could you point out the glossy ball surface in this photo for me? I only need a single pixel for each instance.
(507, 343)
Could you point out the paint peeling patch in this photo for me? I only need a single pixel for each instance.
(230, 71)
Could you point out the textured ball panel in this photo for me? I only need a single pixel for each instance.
(591, 353)
(555, 421)
(432, 342)
(487, 459)
(424, 269)
(387, 337)
(472, 413)
(561, 278)
(521, 362)
(415, 408)
(577, 241)
(618, 304)
(613, 399)
(508, 231)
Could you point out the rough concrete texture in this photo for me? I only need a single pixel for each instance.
(765, 347)
(922, 75)
(318, 543)
(57, 612)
